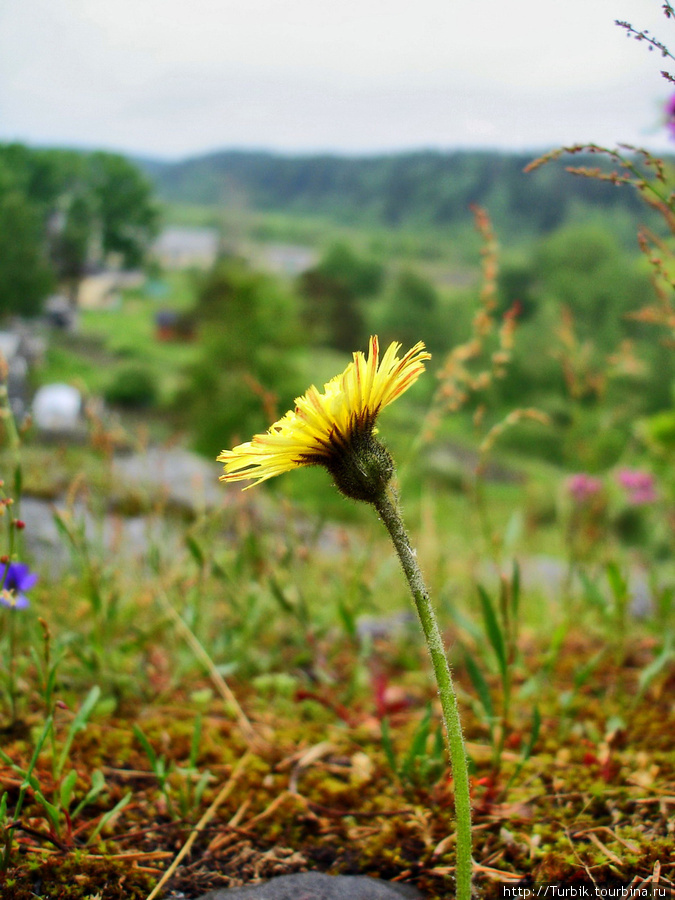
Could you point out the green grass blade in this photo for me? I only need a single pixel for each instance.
(515, 590)
(147, 746)
(650, 671)
(97, 786)
(53, 814)
(492, 629)
(481, 687)
(388, 748)
(278, 594)
(195, 550)
(534, 734)
(196, 740)
(616, 581)
(78, 724)
(418, 746)
(108, 816)
(66, 789)
(592, 593)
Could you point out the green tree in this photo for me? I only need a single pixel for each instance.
(81, 207)
(72, 242)
(584, 268)
(411, 313)
(127, 215)
(517, 288)
(334, 292)
(25, 275)
(41, 176)
(246, 374)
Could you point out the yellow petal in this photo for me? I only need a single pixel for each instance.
(324, 423)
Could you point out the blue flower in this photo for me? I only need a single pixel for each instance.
(16, 578)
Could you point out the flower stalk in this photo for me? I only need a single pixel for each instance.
(388, 509)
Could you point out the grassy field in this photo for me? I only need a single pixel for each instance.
(266, 668)
(242, 689)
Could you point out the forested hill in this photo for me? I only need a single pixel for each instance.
(413, 189)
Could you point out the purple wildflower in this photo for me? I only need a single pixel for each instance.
(582, 487)
(670, 116)
(638, 484)
(16, 578)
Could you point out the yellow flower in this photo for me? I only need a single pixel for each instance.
(333, 428)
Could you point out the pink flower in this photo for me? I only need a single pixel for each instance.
(638, 484)
(670, 115)
(582, 487)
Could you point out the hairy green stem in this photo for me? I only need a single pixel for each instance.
(12, 665)
(388, 509)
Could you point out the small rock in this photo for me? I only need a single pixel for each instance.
(57, 409)
(188, 480)
(317, 886)
(384, 627)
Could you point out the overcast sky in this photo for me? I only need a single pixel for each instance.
(173, 78)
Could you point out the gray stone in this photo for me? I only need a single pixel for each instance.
(57, 408)
(186, 479)
(383, 627)
(317, 886)
(128, 537)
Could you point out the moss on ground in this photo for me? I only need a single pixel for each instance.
(595, 801)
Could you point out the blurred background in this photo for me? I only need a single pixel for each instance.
(206, 207)
(166, 80)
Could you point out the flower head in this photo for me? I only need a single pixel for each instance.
(582, 487)
(334, 428)
(670, 115)
(15, 578)
(639, 486)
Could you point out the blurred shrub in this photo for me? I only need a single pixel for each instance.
(411, 313)
(660, 430)
(25, 277)
(534, 370)
(631, 526)
(334, 291)
(246, 375)
(534, 440)
(592, 444)
(134, 387)
(444, 469)
(516, 285)
(583, 268)
(541, 505)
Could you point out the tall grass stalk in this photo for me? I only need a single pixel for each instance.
(201, 654)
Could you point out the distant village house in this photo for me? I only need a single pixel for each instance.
(183, 248)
